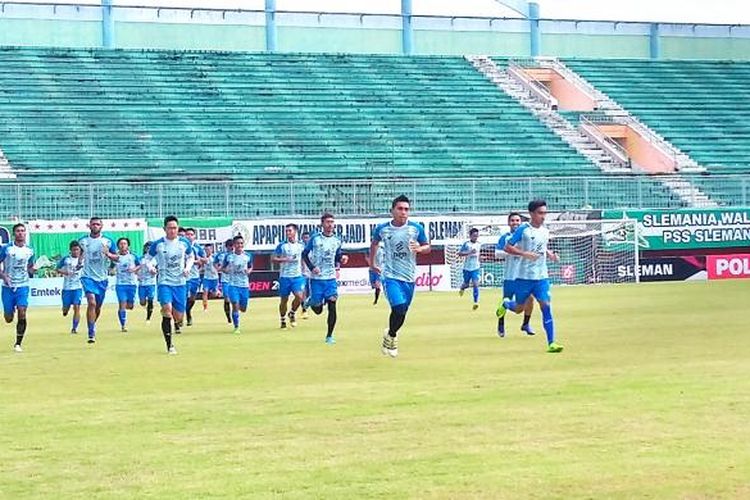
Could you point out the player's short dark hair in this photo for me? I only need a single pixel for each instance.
(399, 199)
(473, 230)
(123, 239)
(95, 218)
(73, 244)
(536, 204)
(181, 229)
(208, 245)
(171, 218)
(146, 246)
(514, 214)
(190, 229)
(237, 238)
(306, 233)
(230, 241)
(16, 226)
(292, 225)
(325, 216)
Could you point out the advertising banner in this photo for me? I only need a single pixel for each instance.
(666, 269)
(48, 292)
(357, 279)
(728, 266)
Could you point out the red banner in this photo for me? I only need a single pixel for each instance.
(722, 267)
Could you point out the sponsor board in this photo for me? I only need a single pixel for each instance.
(357, 279)
(728, 266)
(48, 292)
(666, 269)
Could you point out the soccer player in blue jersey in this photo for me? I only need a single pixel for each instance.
(70, 268)
(174, 258)
(530, 241)
(210, 281)
(146, 284)
(97, 252)
(126, 269)
(291, 282)
(323, 256)
(470, 251)
(376, 270)
(237, 267)
(402, 241)
(17, 263)
(218, 263)
(512, 262)
(194, 279)
(307, 275)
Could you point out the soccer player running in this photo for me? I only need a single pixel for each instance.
(210, 276)
(291, 282)
(218, 263)
(146, 284)
(402, 241)
(470, 252)
(194, 279)
(530, 241)
(69, 268)
(323, 257)
(174, 257)
(17, 261)
(126, 269)
(512, 262)
(97, 252)
(237, 267)
(376, 270)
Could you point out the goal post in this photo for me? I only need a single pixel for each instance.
(590, 251)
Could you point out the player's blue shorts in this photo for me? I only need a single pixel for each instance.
(15, 297)
(323, 290)
(374, 278)
(96, 288)
(71, 297)
(509, 288)
(146, 292)
(210, 285)
(193, 285)
(126, 293)
(540, 289)
(307, 286)
(471, 276)
(291, 285)
(176, 296)
(239, 295)
(398, 292)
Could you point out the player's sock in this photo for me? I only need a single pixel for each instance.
(331, 318)
(166, 330)
(236, 319)
(548, 322)
(121, 317)
(526, 319)
(149, 309)
(92, 329)
(20, 330)
(377, 295)
(501, 325)
(189, 311)
(396, 320)
(227, 312)
(476, 294)
(75, 324)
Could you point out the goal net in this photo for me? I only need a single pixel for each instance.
(590, 251)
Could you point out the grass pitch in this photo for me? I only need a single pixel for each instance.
(651, 398)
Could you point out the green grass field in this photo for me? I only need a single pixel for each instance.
(651, 398)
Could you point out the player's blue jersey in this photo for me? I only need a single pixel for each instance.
(72, 280)
(399, 262)
(532, 239)
(95, 263)
(122, 269)
(16, 261)
(292, 269)
(471, 261)
(209, 269)
(512, 262)
(323, 252)
(171, 257)
(145, 277)
(235, 268)
(199, 252)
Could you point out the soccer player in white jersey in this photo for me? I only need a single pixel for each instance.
(291, 282)
(174, 258)
(17, 261)
(218, 262)
(512, 262)
(376, 271)
(194, 279)
(237, 267)
(210, 281)
(97, 252)
(530, 241)
(126, 269)
(147, 284)
(323, 256)
(70, 268)
(402, 241)
(470, 251)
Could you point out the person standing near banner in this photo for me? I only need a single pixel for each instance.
(17, 261)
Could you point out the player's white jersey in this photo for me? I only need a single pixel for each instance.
(400, 263)
(532, 239)
(512, 262)
(16, 261)
(292, 269)
(471, 261)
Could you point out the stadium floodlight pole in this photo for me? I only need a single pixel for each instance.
(108, 25)
(271, 32)
(529, 10)
(407, 31)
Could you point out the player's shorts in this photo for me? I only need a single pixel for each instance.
(509, 288)
(211, 286)
(176, 296)
(398, 292)
(193, 285)
(96, 288)
(540, 289)
(15, 297)
(291, 285)
(375, 278)
(471, 276)
(72, 297)
(239, 295)
(146, 292)
(322, 291)
(307, 286)
(126, 293)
